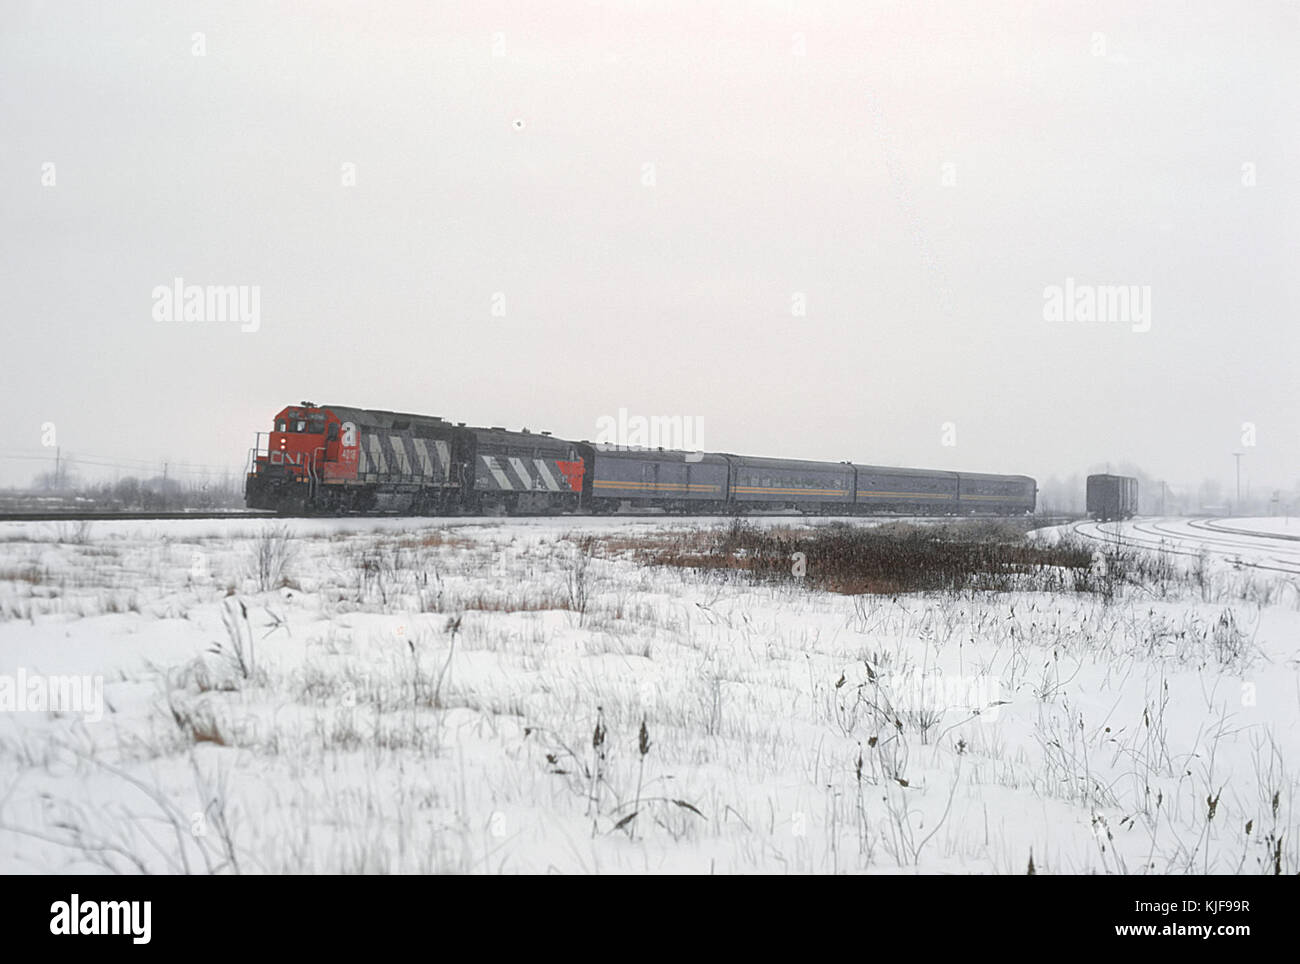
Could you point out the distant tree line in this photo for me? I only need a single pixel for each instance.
(131, 494)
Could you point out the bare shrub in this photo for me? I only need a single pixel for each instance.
(1231, 645)
(197, 723)
(577, 576)
(238, 648)
(452, 628)
(272, 553)
(76, 533)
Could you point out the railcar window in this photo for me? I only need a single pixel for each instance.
(300, 426)
(279, 426)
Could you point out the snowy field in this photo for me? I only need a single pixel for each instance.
(533, 696)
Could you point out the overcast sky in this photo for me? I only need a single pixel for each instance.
(824, 229)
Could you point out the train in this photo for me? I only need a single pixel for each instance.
(342, 460)
(1112, 497)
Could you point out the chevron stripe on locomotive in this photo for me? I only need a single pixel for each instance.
(334, 459)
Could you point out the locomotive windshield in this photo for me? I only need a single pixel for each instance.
(301, 426)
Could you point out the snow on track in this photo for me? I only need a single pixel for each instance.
(1253, 543)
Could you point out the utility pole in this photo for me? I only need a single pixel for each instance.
(1237, 506)
(58, 452)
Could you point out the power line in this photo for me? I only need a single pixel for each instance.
(124, 464)
(110, 459)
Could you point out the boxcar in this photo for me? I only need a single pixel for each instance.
(1112, 497)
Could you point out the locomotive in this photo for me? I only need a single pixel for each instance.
(335, 459)
(1112, 497)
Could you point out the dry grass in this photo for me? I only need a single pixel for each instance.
(888, 559)
(436, 539)
(31, 574)
(512, 602)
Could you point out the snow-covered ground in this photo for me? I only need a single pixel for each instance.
(1266, 543)
(390, 695)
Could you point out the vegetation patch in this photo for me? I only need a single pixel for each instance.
(889, 559)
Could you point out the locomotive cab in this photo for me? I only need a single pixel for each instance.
(298, 442)
(284, 473)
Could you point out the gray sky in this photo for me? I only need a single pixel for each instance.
(917, 175)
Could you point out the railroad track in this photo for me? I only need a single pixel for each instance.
(1162, 536)
(73, 516)
(1278, 558)
(1213, 526)
(125, 516)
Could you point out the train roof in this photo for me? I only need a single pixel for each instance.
(993, 477)
(604, 451)
(383, 418)
(509, 437)
(769, 463)
(897, 470)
